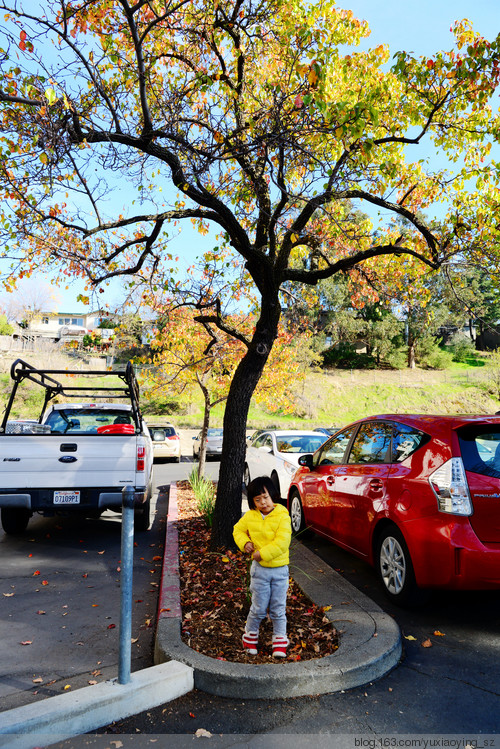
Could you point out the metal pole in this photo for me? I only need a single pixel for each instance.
(127, 563)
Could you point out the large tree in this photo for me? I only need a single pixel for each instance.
(267, 125)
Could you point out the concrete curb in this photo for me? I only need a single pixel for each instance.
(87, 709)
(370, 644)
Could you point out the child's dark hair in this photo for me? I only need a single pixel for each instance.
(257, 486)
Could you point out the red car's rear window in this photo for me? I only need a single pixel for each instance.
(480, 448)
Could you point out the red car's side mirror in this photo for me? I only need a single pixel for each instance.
(306, 461)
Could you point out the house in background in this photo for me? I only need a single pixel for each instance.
(66, 326)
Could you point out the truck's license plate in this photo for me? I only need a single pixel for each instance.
(66, 498)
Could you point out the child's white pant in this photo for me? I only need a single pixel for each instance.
(268, 586)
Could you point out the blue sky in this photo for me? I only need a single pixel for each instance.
(418, 26)
(423, 26)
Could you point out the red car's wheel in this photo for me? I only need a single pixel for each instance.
(395, 568)
(297, 514)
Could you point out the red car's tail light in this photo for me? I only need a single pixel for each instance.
(449, 484)
(141, 455)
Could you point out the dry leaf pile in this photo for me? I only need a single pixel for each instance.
(215, 600)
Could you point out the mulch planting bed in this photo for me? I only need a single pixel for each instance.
(215, 600)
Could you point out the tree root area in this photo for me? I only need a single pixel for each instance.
(215, 600)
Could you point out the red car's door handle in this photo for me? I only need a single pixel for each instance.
(376, 484)
(330, 480)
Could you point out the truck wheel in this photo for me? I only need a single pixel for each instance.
(15, 520)
(142, 516)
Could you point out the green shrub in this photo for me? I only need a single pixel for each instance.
(462, 347)
(159, 405)
(437, 359)
(204, 491)
(345, 356)
(397, 358)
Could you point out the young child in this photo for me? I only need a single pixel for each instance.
(265, 533)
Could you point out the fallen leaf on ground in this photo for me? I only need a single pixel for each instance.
(26, 642)
(8, 595)
(38, 680)
(427, 644)
(410, 637)
(438, 633)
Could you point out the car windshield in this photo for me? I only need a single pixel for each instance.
(85, 420)
(480, 448)
(214, 433)
(293, 443)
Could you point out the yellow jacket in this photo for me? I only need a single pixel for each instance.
(271, 535)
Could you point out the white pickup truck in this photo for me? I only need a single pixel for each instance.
(77, 457)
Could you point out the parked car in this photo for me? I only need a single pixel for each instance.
(276, 454)
(418, 497)
(251, 437)
(214, 444)
(166, 441)
(76, 458)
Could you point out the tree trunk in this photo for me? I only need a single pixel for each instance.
(247, 375)
(411, 355)
(204, 432)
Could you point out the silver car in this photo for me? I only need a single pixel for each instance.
(214, 444)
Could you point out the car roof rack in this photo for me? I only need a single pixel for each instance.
(21, 370)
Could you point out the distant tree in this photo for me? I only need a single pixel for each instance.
(474, 298)
(5, 327)
(29, 301)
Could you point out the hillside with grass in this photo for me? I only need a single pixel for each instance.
(335, 397)
(331, 397)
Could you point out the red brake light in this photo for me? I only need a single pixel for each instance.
(141, 454)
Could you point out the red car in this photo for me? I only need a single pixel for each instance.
(418, 497)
